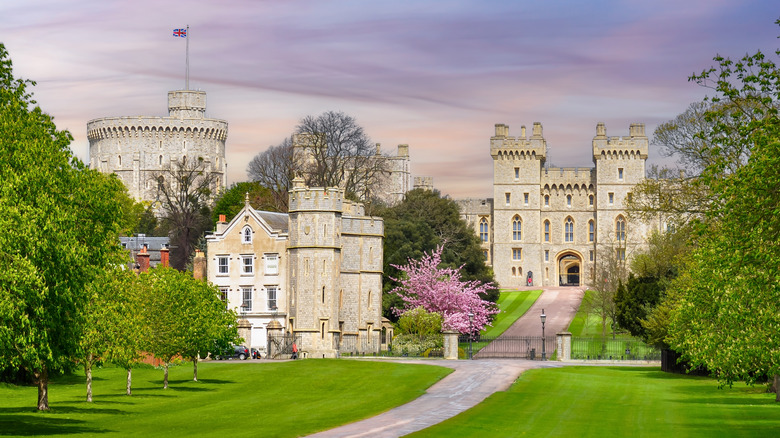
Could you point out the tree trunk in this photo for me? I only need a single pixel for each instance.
(777, 387)
(165, 379)
(88, 371)
(42, 379)
(129, 380)
(195, 368)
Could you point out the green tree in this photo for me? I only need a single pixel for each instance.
(232, 200)
(122, 297)
(726, 313)
(62, 223)
(420, 223)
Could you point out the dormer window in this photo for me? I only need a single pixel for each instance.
(246, 235)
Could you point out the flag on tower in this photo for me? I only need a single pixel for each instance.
(180, 33)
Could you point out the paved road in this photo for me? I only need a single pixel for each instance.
(472, 381)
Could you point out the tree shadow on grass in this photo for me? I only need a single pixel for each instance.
(39, 423)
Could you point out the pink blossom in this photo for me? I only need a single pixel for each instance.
(441, 290)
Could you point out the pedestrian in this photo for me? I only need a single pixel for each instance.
(295, 351)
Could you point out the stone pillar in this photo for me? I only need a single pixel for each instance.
(245, 331)
(199, 265)
(450, 344)
(563, 343)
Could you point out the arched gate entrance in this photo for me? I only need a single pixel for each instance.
(569, 269)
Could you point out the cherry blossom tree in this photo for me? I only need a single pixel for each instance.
(426, 284)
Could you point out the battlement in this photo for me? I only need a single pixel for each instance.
(187, 104)
(144, 126)
(304, 198)
(635, 146)
(502, 146)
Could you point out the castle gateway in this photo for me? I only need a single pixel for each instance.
(549, 226)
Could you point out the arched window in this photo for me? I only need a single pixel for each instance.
(483, 230)
(546, 200)
(568, 200)
(120, 160)
(620, 228)
(591, 231)
(246, 235)
(568, 227)
(160, 160)
(514, 272)
(590, 200)
(517, 228)
(546, 231)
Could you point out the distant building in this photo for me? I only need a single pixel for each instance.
(155, 248)
(552, 224)
(315, 272)
(135, 147)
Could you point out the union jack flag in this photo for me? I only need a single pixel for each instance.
(180, 33)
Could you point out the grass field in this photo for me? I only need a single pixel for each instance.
(269, 399)
(617, 402)
(513, 305)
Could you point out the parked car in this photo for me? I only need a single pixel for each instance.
(238, 352)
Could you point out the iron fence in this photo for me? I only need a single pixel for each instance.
(508, 347)
(280, 346)
(351, 345)
(608, 348)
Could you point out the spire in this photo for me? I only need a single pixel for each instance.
(246, 200)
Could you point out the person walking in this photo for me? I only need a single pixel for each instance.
(295, 351)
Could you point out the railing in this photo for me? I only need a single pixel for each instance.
(509, 347)
(350, 345)
(607, 348)
(280, 346)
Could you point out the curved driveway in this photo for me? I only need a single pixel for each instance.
(472, 381)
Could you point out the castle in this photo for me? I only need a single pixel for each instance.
(549, 226)
(137, 147)
(315, 273)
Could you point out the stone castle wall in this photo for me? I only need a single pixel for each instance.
(135, 148)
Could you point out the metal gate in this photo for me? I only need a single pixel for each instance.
(508, 347)
(280, 346)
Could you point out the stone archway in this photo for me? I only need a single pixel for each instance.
(569, 269)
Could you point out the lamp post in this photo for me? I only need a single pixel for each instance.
(544, 352)
(471, 331)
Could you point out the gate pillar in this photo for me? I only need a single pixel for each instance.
(563, 346)
(450, 344)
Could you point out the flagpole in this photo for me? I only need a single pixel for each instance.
(187, 77)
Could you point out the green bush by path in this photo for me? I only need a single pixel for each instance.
(268, 399)
(513, 305)
(616, 402)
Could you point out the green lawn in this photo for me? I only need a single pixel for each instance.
(269, 399)
(584, 325)
(513, 305)
(617, 402)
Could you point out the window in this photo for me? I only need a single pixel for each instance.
(621, 254)
(120, 160)
(546, 231)
(591, 231)
(223, 295)
(508, 197)
(620, 229)
(590, 200)
(620, 173)
(525, 198)
(568, 200)
(485, 254)
(222, 264)
(247, 265)
(546, 200)
(546, 255)
(246, 303)
(517, 254)
(517, 228)
(483, 230)
(590, 253)
(246, 235)
(517, 173)
(611, 198)
(271, 264)
(271, 297)
(568, 227)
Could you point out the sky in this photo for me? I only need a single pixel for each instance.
(436, 75)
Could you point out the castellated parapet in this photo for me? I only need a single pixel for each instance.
(135, 147)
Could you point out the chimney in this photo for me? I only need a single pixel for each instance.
(221, 224)
(142, 258)
(164, 256)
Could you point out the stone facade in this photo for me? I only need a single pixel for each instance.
(316, 271)
(556, 222)
(136, 147)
